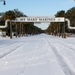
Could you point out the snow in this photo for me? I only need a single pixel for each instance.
(37, 55)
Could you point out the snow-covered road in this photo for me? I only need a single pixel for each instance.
(37, 55)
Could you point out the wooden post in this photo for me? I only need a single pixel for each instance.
(20, 29)
(10, 30)
(16, 30)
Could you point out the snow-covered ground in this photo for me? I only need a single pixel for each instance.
(37, 55)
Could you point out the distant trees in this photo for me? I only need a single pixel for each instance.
(31, 29)
(70, 14)
(19, 13)
(2, 13)
(19, 28)
(60, 25)
(11, 16)
(56, 28)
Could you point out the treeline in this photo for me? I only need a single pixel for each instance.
(59, 28)
(19, 29)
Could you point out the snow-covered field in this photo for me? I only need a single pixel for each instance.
(37, 55)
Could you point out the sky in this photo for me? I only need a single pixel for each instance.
(38, 7)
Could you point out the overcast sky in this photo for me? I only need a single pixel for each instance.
(38, 7)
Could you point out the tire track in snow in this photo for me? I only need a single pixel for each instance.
(67, 46)
(10, 51)
(8, 44)
(60, 59)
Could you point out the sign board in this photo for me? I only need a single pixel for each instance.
(39, 19)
